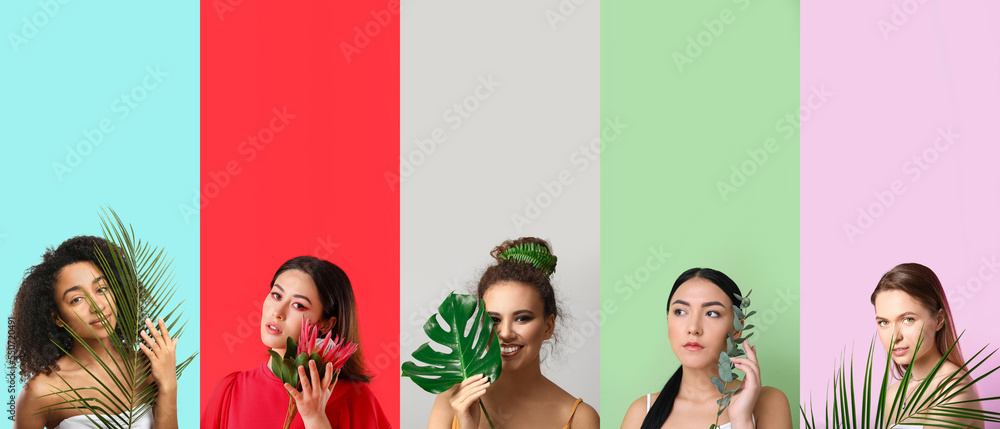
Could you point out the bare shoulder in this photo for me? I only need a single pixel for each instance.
(636, 412)
(31, 399)
(772, 408)
(586, 417)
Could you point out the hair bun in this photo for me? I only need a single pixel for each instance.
(529, 250)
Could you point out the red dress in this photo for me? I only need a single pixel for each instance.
(256, 399)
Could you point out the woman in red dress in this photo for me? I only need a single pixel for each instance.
(318, 290)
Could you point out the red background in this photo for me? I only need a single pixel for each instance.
(321, 180)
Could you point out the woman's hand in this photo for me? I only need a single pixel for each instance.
(161, 350)
(465, 401)
(311, 401)
(742, 403)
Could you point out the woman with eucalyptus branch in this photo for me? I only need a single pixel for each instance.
(700, 317)
(316, 290)
(521, 300)
(69, 292)
(911, 307)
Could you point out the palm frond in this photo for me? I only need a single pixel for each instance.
(931, 404)
(143, 285)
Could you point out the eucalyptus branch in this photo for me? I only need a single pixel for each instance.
(734, 349)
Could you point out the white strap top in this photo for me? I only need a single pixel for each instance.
(649, 405)
(83, 422)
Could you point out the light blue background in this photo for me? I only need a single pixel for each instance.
(64, 80)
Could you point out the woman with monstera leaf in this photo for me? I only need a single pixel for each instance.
(520, 299)
(316, 290)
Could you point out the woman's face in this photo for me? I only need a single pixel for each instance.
(73, 283)
(698, 319)
(292, 297)
(902, 320)
(519, 318)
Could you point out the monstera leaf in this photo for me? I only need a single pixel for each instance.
(469, 335)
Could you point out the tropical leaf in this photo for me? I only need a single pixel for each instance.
(143, 286)
(929, 404)
(474, 347)
(534, 254)
(475, 352)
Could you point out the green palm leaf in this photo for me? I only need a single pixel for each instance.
(474, 347)
(143, 286)
(929, 404)
(475, 352)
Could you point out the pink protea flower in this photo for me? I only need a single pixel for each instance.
(336, 352)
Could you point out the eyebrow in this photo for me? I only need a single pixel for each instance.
(703, 305)
(908, 313)
(516, 313)
(295, 295)
(78, 287)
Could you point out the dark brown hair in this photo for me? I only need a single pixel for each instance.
(37, 338)
(337, 298)
(514, 271)
(923, 285)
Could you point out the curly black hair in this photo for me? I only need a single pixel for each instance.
(35, 330)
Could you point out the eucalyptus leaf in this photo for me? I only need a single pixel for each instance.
(737, 324)
(477, 352)
(747, 327)
(739, 313)
(719, 384)
(751, 314)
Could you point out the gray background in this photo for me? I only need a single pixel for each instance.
(457, 204)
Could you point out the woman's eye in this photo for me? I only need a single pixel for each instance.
(76, 300)
(522, 319)
(276, 296)
(495, 319)
(679, 312)
(103, 289)
(713, 314)
(298, 306)
(908, 320)
(882, 323)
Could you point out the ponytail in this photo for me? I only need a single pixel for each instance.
(664, 404)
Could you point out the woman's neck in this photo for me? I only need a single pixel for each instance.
(518, 382)
(696, 384)
(923, 366)
(103, 350)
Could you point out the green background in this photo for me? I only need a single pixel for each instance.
(660, 181)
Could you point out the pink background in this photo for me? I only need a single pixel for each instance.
(891, 94)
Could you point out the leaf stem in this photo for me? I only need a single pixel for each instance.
(488, 419)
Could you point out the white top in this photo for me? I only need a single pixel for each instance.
(83, 422)
(649, 404)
